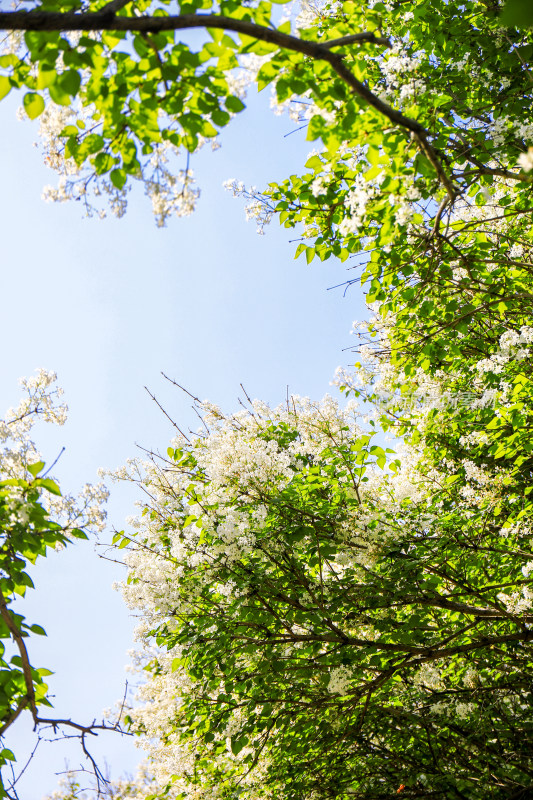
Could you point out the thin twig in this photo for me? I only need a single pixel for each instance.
(246, 393)
(52, 465)
(158, 404)
(183, 389)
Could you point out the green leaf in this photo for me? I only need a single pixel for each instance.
(234, 104)
(70, 81)
(103, 162)
(43, 672)
(237, 744)
(50, 486)
(316, 127)
(118, 178)
(35, 468)
(46, 77)
(58, 95)
(5, 86)
(8, 60)
(266, 75)
(33, 104)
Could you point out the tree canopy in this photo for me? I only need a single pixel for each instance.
(331, 619)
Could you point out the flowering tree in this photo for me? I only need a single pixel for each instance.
(34, 517)
(119, 92)
(321, 620)
(327, 627)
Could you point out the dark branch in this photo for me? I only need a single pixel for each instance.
(26, 666)
(11, 719)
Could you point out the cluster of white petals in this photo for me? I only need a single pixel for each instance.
(257, 209)
(399, 69)
(41, 402)
(525, 160)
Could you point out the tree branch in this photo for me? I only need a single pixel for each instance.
(11, 719)
(26, 666)
(356, 38)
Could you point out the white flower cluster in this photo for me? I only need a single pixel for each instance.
(320, 184)
(460, 710)
(18, 451)
(356, 200)
(40, 401)
(170, 193)
(503, 128)
(310, 12)
(474, 438)
(527, 569)
(239, 80)
(429, 677)
(512, 347)
(257, 209)
(399, 69)
(518, 602)
(340, 679)
(525, 160)
(141, 787)
(71, 185)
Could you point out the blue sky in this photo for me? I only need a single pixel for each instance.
(109, 305)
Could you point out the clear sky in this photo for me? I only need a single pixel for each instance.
(110, 304)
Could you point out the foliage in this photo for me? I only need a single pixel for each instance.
(116, 107)
(34, 517)
(330, 622)
(331, 629)
(519, 13)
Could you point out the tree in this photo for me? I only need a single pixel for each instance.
(34, 517)
(331, 622)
